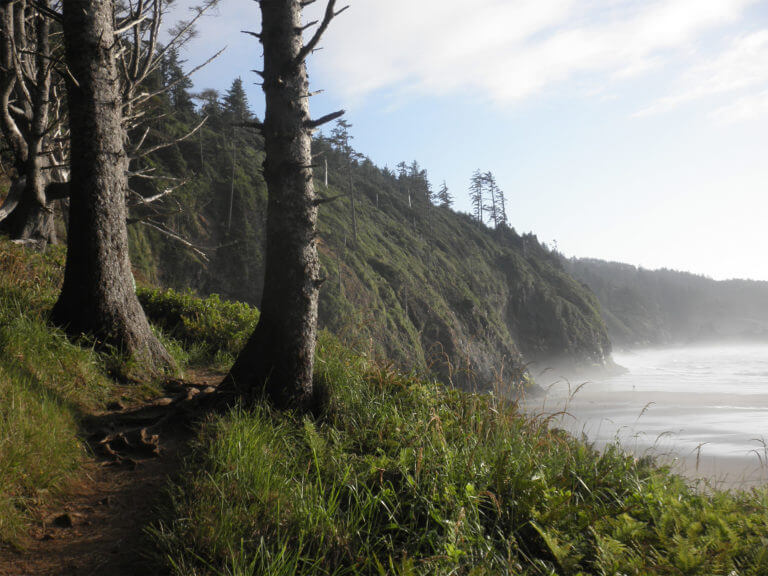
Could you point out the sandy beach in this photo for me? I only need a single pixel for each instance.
(703, 411)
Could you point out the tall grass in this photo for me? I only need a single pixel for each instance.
(45, 383)
(402, 476)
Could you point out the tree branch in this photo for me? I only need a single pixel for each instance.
(146, 200)
(48, 11)
(251, 124)
(163, 230)
(321, 201)
(329, 15)
(12, 200)
(172, 142)
(131, 24)
(312, 124)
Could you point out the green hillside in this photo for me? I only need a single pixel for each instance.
(416, 283)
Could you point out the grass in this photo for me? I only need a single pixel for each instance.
(403, 476)
(396, 475)
(211, 331)
(48, 382)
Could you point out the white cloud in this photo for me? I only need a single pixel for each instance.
(739, 71)
(509, 50)
(742, 109)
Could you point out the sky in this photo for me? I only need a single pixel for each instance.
(627, 130)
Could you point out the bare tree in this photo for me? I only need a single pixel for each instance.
(278, 359)
(97, 296)
(32, 114)
(30, 117)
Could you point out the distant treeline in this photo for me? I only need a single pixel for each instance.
(650, 307)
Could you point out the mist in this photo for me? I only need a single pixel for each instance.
(701, 409)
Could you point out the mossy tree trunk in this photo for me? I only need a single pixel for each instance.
(278, 359)
(98, 297)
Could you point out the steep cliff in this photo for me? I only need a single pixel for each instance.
(422, 285)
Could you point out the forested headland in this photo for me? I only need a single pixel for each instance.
(661, 307)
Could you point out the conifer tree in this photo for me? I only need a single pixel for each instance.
(502, 203)
(489, 182)
(178, 82)
(444, 197)
(340, 137)
(476, 195)
(278, 360)
(235, 102)
(97, 295)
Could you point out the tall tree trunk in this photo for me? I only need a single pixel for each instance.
(32, 218)
(98, 296)
(279, 357)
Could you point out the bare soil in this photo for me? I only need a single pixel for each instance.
(97, 525)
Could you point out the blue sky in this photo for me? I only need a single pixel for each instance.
(626, 130)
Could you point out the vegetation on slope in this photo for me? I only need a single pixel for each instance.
(49, 383)
(395, 475)
(657, 307)
(418, 284)
(403, 476)
(45, 383)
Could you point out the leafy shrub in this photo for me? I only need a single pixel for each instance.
(213, 327)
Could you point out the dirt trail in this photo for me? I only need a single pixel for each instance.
(97, 526)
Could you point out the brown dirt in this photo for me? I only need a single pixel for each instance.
(98, 524)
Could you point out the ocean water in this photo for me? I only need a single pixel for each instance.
(704, 410)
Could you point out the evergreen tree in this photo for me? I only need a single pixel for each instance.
(402, 170)
(210, 106)
(502, 203)
(96, 296)
(278, 359)
(235, 103)
(340, 138)
(177, 82)
(489, 182)
(444, 198)
(476, 195)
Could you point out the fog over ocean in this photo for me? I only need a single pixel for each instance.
(703, 409)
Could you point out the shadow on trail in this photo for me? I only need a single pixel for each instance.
(98, 526)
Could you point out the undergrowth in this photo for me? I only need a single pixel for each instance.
(396, 475)
(403, 476)
(211, 330)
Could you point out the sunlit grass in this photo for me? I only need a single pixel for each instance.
(402, 476)
(46, 381)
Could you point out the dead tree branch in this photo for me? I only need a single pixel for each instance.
(310, 46)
